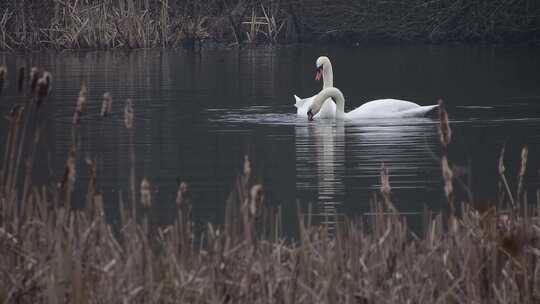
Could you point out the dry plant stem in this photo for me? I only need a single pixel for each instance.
(503, 178)
(17, 150)
(41, 92)
(32, 113)
(3, 76)
(132, 174)
(10, 141)
(445, 136)
(52, 253)
(140, 24)
(129, 121)
(29, 167)
(521, 175)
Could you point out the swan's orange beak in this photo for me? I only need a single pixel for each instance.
(318, 74)
(310, 115)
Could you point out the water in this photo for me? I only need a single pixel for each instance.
(198, 114)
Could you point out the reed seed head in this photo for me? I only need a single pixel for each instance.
(257, 199)
(385, 182)
(129, 114)
(247, 166)
(524, 155)
(81, 105)
(106, 107)
(16, 111)
(35, 74)
(445, 132)
(522, 170)
(501, 166)
(447, 176)
(48, 78)
(43, 87)
(146, 193)
(182, 195)
(70, 171)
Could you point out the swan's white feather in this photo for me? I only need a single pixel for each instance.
(328, 108)
(382, 108)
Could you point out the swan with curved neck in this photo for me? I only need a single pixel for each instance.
(323, 70)
(381, 108)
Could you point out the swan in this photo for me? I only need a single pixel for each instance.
(381, 108)
(328, 109)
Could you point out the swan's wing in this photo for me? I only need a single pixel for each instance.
(390, 108)
(420, 111)
(387, 106)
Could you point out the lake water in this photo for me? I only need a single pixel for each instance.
(198, 114)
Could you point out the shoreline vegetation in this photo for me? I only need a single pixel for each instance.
(106, 24)
(54, 253)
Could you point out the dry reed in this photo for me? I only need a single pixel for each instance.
(106, 106)
(81, 105)
(3, 73)
(54, 253)
(146, 193)
(106, 24)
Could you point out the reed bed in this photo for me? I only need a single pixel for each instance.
(104, 24)
(54, 253)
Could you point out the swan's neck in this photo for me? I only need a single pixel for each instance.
(328, 76)
(340, 107)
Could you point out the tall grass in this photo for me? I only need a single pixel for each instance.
(168, 23)
(54, 253)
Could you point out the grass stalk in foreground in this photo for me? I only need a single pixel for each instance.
(54, 253)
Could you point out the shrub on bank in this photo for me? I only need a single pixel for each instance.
(166, 23)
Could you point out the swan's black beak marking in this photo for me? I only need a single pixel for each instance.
(318, 73)
(310, 115)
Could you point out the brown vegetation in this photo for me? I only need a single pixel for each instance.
(56, 254)
(168, 23)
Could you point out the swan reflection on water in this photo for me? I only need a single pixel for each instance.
(320, 166)
(337, 162)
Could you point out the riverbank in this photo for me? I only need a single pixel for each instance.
(53, 252)
(108, 24)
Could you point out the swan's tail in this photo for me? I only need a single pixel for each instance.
(299, 102)
(419, 111)
(428, 109)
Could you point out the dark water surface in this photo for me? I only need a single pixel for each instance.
(197, 114)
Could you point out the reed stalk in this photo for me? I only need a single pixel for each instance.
(53, 252)
(104, 24)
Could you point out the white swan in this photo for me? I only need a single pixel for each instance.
(381, 108)
(328, 109)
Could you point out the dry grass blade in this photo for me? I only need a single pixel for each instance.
(146, 193)
(129, 114)
(106, 107)
(444, 126)
(52, 252)
(502, 169)
(104, 24)
(81, 105)
(521, 175)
